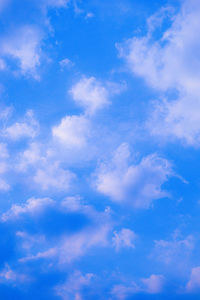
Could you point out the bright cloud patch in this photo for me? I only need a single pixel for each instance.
(138, 184)
(171, 63)
(24, 46)
(90, 94)
(28, 128)
(73, 131)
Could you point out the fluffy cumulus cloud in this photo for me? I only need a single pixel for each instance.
(53, 177)
(73, 131)
(90, 94)
(171, 63)
(93, 95)
(27, 128)
(134, 184)
(24, 46)
(44, 170)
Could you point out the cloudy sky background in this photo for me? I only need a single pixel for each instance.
(99, 150)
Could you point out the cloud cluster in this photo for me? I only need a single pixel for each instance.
(170, 63)
(76, 228)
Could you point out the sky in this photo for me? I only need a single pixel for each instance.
(99, 149)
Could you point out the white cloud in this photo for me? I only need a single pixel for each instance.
(24, 45)
(52, 176)
(124, 238)
(137, 184)
(170, 251)
(193, 284)
(153, 284)
(43, 169)
(73, 286)
(171, 62)
(73, 131)
(90, 94)
(121, 291)
(71, 248)
(32, 206)
(32, 156)
(28, 128)
(68, 247)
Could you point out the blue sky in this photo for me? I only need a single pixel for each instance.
(99, 150)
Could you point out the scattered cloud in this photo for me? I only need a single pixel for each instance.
(73, 131)
(121, 292)
(90, 94)
(28, 128)
(32, 206)
(70, 242)
(73, 286)
(24, 46)
(71, 248)
(124, 238)
(170, 63)
(193, 284)
(137, 185)
(7, 275)
(169, 251)
(53, 177)
(153, 284)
